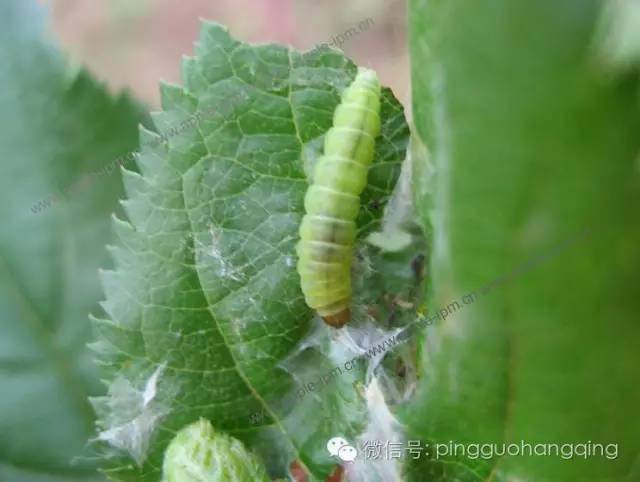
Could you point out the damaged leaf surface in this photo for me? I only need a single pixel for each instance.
(205, 303)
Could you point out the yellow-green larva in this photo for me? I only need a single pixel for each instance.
(332, 202)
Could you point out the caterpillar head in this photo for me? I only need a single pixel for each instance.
(339, 319)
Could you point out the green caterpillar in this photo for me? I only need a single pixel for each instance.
(332, 202)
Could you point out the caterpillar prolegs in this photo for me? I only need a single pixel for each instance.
(332, 202)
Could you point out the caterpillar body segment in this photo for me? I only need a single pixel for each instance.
(332, 202)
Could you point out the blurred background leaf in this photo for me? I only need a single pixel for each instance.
(531, 144)
(55, 128)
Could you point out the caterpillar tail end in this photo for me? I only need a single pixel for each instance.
(338, 320)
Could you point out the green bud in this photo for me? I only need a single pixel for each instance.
(200, 454)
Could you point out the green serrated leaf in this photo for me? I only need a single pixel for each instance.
(54, 131)
(531, 144)
(205, 304)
